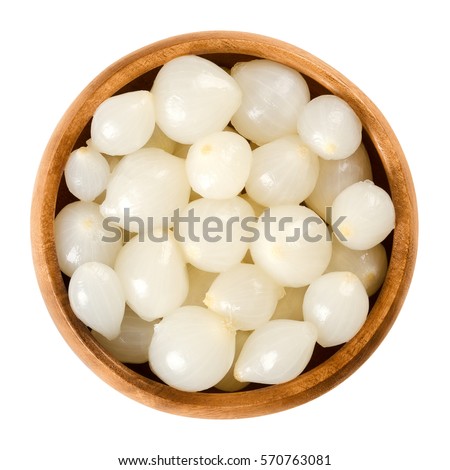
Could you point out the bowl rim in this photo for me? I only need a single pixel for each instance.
(269, 399)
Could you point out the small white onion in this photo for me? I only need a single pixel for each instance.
(271, 97)
(131, 346)
(216, 240)
(369, 265)
(294, 247)
(218, 165)
(199, 283)
(245, 295)
(97, 299)
(363, 215)
(276, 352)
(290, 307)
(150, 184)
(335, 176)
(229, 383)
(193, 98)
(192, 349)
(337, 303)
(153, 275)
(330, 127)
(283, 172)
(86, 173)
(123, 123)
(81, 237)
(159, 140)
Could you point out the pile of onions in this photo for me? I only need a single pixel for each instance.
(287, 246)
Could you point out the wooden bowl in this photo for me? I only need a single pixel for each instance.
(329, 366)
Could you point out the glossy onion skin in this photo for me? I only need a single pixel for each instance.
(123, 123)
(330, 127)
(81, 237)
(294, 256)
(244, 295)
(193, 98)
(283, 172)
(340, 313)
(96, 298)
(272, 96)
(220, 255)
(86, 173)
(276, 352)
(367, 215)
(218, 165)
(150, 184)
(192, 349)
(153, 276)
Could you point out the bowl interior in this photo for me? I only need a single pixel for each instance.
(328, 366)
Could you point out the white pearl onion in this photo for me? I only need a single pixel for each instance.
(151, 184)
(153, 275)
(369, 265)
(337, 303)
(218, 165)
(229, 382)
(283, 172)
(299, 251)
(290, 307)
(335, 176)
(192, 349)
(276, 352)
(97, 299)
(86, 173)
(131, 346)
(269, 301)
(272, 96)
(244, 295)
(367, 214)
(80, 237)
(230, 246)
(330, 127)
(123, 123)
(193, 98)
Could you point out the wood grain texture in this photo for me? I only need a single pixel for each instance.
(137, 71)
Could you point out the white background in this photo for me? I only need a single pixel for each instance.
(393, 412)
